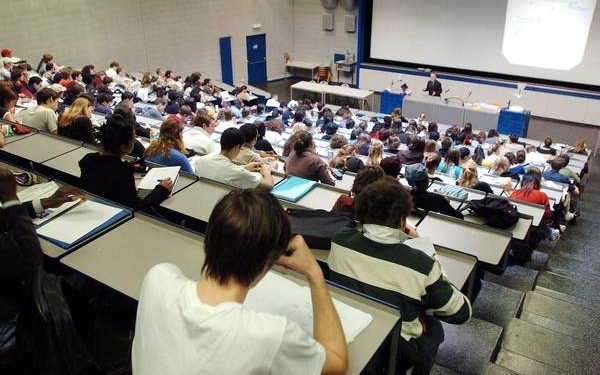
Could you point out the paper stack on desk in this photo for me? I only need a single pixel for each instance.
(279, 296)
(40, 191)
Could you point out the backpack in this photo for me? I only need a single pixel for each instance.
(47, 340)
(496, 212)
(318, 227)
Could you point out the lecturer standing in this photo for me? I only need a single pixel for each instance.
(434, 87)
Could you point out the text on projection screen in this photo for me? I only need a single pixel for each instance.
(548, 34)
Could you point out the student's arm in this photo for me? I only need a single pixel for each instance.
(324, 175)
(266, 180)
(327, 327)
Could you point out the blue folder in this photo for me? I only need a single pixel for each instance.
(293, 188)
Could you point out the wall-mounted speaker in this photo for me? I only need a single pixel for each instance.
(329, 4)
(349, 5)
(328, 21)
(350, 23)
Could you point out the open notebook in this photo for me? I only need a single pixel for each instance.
(279, 296)
(81, 222)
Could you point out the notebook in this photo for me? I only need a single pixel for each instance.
(276, 295)
(81, 222)
(293, 188)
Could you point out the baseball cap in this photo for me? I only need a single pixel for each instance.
(6, 52)
(58, 87)
(415, 173)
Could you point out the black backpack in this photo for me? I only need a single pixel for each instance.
(496, 212)
(47, 341)
(318, 226)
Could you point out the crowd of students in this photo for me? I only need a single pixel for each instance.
(244, 157)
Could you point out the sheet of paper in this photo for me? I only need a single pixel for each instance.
(40, 191)
(80, 220)
(156, 175)
(279, 296)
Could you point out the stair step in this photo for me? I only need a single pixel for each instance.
(571, 265)
(439, 370)
(581, 288)
(494, 369)
(523, 365)
(562, 317)
(515, 277)
(538, 261)
(556, 350)
(496, 303)
(468, 348)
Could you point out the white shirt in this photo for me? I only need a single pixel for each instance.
(176, 333)
(111, 72)
(219, 168)
(199, 140)
(272, 103)
(224, 125)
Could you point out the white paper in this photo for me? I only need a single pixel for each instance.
(156, 175)
(41, 191)
(279, 296)
(80, 220)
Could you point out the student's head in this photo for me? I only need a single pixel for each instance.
(160, 104)
(512, 159)
(531, 180)
(117, 136)
(417, 176)
(337, 141)
(393, 142)
(8, 98)
(114, 65)
(452, 157)
(384, 202)
(513, 137)
(104, 99)
(492, 133)
(123, 111)
(446, 143)
(501, 165)
(557, 163)
(365, 176)
(521, 156)
(231, 138)
(548, 142)
(469, 176)
(262, 233)
(416, 143)
(303, 142)
(250, 133)
(464, 153)
(127, 96)
(566, 158)
(391, 166)
(47, 97)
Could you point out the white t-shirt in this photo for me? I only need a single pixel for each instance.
(199, 140)
(219, 168)
(39, 117)
(175, 333)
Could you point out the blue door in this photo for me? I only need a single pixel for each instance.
(226, 64)
(256, 52)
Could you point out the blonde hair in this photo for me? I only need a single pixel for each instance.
(340, 159)
(170, 137)
(469, 176)
(501, 165)
(79, 108)
(375, 152)
(299, 127)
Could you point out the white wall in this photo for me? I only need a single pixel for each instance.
(181, 35)
(312, 43)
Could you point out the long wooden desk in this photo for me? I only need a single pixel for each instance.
(113, 261)
(296, 64)
(69, 161)
(325, 90)
(487, 244)
(40, 147)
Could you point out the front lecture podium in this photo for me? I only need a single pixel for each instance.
(390, 100)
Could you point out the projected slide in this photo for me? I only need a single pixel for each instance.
(548, 34)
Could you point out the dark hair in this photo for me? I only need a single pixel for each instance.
(415, 143)
(303, 142)
(432, 127)
(464, 152)
(365, 176)
(34, 80)
(384, 202)
(262, 233)
(116, 133)
(492, 133)
(123, 112)
(391, 166)
(104, 98)
(230, 138)
(548, 142)
(127, 96)
(261, 128)
(521, 156)
(337, 141)
(557, 163)
(249, 131)
(350, 124)
(513, 137)
(511, 157)
(45, 94)
(566, 159)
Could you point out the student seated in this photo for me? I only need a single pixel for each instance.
(546, 148)
(168, 149)
(416, 175)
(43, 116)
(221, 168)
(198, 137)
(367, 175)
(414, 154)
(375, 261)
(470, 179)
(202, 327)
(450, 166)
(304, 162)
(106, 175)
(248, 154)
(75, 122)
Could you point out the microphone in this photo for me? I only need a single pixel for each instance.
(445, 92)
(508, 104)
(467, 98)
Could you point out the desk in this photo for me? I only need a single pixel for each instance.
(112, 261)
(16, 137)
(297, 64)
(69, 162)
(346, 67)
(324, 90)
(487, 244)
(320, 197)
(449, 112)
(40, 147)
(197, 200)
